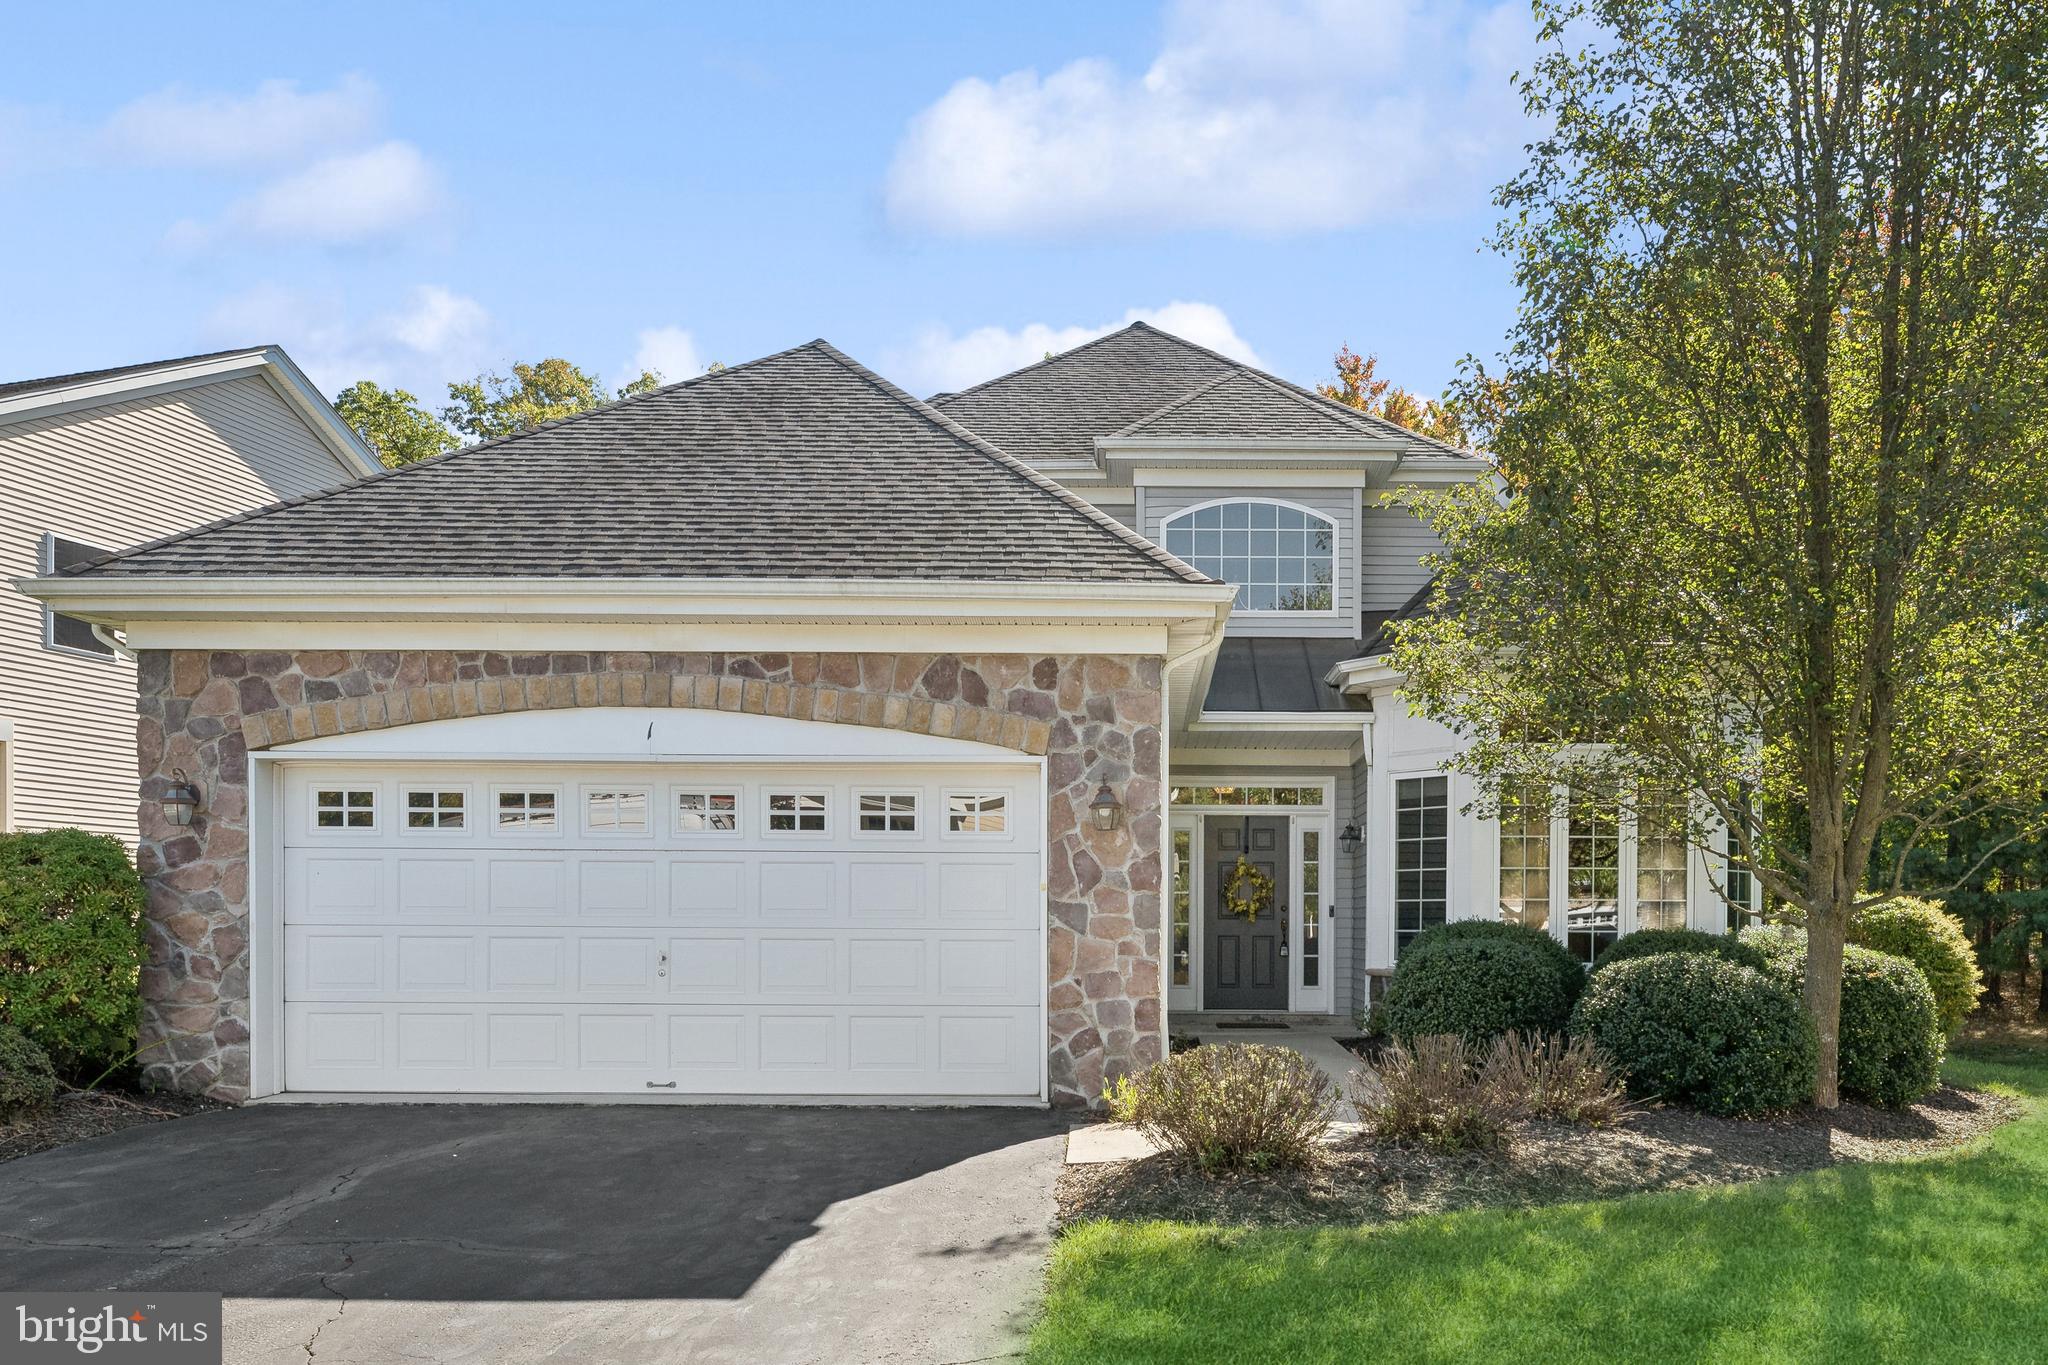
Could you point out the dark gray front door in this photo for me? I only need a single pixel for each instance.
(1245, 962)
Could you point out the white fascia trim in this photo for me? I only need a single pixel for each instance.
(337, 435)
(1315, 451)
(117, 599)
(273, 364)
(1282, 722)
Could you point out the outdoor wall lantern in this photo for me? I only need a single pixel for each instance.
(180, 799)
(1105, 808)
(1351, 838)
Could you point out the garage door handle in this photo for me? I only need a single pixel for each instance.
(661, 1085)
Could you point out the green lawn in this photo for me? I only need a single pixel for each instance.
(1944, 1259)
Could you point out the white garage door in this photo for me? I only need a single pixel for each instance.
(815, 929)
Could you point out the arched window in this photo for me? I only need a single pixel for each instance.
(1281, 557)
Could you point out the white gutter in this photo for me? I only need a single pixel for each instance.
(116, 598)
(1358, 675)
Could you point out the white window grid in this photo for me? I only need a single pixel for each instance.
(527, 811)
(804, 813)
(706, 811)
(342, 808)
(616, 809)
(886, 814)
(435, 808)
(978, 814)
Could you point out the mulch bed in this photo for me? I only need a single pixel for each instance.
(79, 1114)
(1544, 1163)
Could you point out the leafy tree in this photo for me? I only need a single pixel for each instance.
(1357, 386)
(1991, 872)
(493, 405)
(393, 423)
(1773, 413)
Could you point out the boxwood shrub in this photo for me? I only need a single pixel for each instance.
(1890, 1039)
(27, 1080)
(70, 944)
(1650, 942)
(1701, 1030)
(1479, 979)
(1934, 941)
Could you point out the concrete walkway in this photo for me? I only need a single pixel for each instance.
(1119, 1142)
(510, 1233)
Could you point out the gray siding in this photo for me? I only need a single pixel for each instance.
(1338, 504)
(115, 476)
(1390, 567)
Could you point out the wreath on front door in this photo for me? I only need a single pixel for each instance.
(1247, 892)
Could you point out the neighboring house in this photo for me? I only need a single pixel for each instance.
(779, 734)
(89, 464)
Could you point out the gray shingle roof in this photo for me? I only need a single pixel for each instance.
(1379, 639)
(1055, 409)
(16, 387)
(803, 464)
(1244, 403)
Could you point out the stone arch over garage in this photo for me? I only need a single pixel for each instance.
(1093, 718)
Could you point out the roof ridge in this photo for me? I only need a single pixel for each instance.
(1138, 326)
(368, 480)
(1205, 386)
(1157, 554)
(1320, 400)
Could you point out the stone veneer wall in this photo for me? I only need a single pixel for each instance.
(1095, 719)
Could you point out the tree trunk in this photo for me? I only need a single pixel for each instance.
(1826, 930)
(1994, 981)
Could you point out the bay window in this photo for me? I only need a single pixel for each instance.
(1578, 865)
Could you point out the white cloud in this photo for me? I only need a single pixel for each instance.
(352, 197)
(941, 361)
(180, 127)
(435, 335)
(1269, 116)
(670, 352)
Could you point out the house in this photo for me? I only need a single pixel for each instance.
(778, 734)
(92, 462)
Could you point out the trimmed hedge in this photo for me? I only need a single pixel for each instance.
(1650, 942)
(1934, 941)
(70, 944)
(27, 1080)
(1890, 1039)
(1480, 979)
(1699, 1029)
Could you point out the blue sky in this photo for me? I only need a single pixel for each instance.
(412, 193)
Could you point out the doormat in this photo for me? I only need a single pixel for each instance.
(1254, 1022)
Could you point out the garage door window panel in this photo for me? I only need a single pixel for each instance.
(978, 815)
(885, 813)
(609, 811)
(528, 811)
(707, 812)
(799, 813)
(350, 809)
(436, 810)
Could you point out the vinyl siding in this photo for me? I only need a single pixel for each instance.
(1390, 566)
(116, 476)
(1340, 505)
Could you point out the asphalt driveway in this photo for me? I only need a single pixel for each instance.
(502, 1233)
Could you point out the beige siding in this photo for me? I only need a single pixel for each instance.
(1391, 551)
(116, 476)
